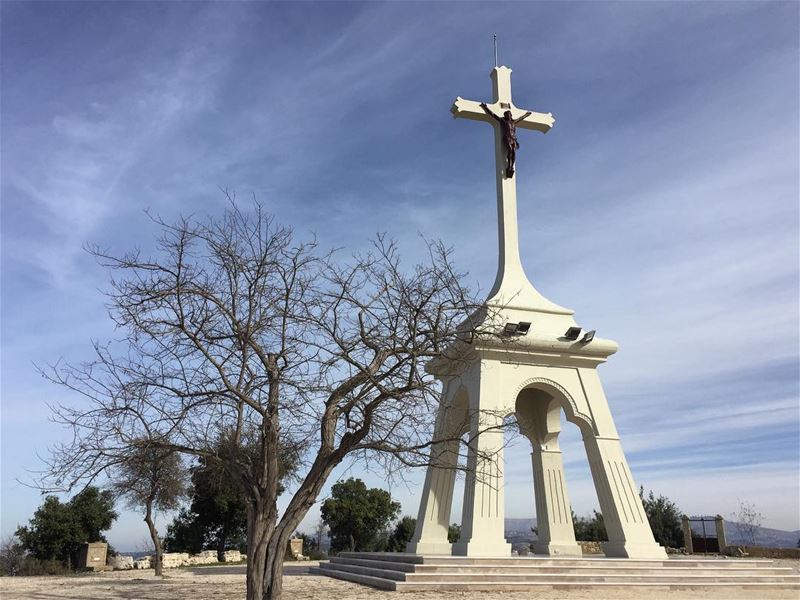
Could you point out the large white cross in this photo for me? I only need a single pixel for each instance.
(511, 285)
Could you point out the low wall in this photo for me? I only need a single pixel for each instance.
(762, 552)
(591, 547)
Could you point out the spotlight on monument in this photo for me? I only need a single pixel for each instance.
(520, 328)
(573, 333)
(588, 337)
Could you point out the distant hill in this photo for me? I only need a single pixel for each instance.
(770, 538)
(519, 530)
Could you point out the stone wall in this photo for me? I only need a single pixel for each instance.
(762, 552)
(206, 557)
(591, 547)
(171, 560)
(121, 562)
(233, 556)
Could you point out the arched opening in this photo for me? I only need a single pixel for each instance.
(540, 409)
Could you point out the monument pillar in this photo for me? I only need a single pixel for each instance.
(629, 533)
(483, 511)
(433, 520)
(555, 530)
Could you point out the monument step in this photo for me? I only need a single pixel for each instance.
(368, 571)
(404, 572)
(498, 586)
(484, 570)
(545, 577)
(376, 582)
(379, 564)
(440, 560)
(666, 579)
(761, 571)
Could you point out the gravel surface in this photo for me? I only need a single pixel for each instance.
(227, 583)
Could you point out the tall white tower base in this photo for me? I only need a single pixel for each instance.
(535, 376)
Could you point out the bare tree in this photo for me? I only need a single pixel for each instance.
(240, 342)
(150, 477)
(748, 521)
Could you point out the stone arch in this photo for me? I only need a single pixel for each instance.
(584, 422)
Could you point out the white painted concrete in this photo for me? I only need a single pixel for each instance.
(535, 376)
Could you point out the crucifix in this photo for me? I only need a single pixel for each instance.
(538, 372)
(506, 119)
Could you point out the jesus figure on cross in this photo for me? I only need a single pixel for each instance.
(508, 126)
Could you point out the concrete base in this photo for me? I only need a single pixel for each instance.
(431, 548)
(482, 548)
(616, 550)
(558, 549)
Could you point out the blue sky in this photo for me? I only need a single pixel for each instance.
(663, 206)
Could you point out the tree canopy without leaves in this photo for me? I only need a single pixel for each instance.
(151, 478)
(358, 517)
(240, 342)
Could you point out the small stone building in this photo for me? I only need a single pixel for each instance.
(92, 556)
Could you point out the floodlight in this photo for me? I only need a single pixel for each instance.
(523, 327)
(573, 333)
(588, 337)
(510, 328)
(516, 328)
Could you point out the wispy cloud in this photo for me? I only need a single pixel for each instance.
(662, 207)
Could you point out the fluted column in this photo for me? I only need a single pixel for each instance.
(556, 533)
(483, 517)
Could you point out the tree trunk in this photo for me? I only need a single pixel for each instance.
(259, 530)
(273, 572)
(221, 545)
(159, 557)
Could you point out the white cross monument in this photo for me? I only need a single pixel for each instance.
(538, 364)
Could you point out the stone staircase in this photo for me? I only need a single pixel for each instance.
(415, 573)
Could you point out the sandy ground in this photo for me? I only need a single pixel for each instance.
(227, 583)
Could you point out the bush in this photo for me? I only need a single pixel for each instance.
(590, 530)
(14, 561)
(402, 534)
(453, 533)
(664, 518)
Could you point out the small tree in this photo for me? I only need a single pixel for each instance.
(151, 478)
(747, 521)
(320, 531)
(12, 557)
(357, 516)
(401, 535)
(58, 530)
(665, 519)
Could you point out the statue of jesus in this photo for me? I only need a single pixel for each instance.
(508, 126)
